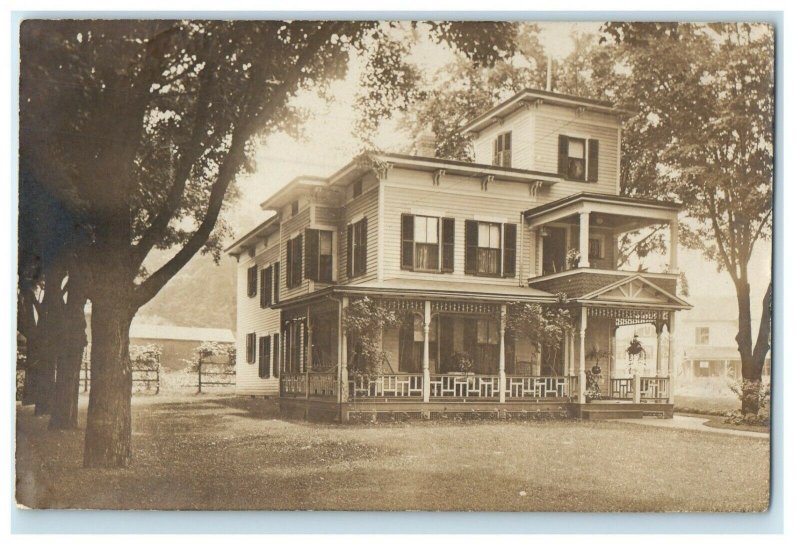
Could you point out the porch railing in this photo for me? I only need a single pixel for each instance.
(621, 388)
(536, 387)
(654, 389)
(322, 384)
(293, 384)
(384, 386)
(465, 386)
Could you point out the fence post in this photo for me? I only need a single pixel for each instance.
(158, 378)
(637, 389)
(199, 375)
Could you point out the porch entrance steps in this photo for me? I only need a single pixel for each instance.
(605, 410)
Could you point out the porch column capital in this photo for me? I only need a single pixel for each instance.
(584, 239)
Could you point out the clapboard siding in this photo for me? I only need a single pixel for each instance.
(520, 124)
(251, 318)
(365, 205)
(413, 192)
(549, 124)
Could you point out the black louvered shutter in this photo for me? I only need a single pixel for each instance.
(289, 266)
(276, 360)
(407, 242)
(594, 148)
(252, 281)
(448, 244)
(471, 249)
(312, 254)
(264, 356)
(266, 287)
(250, 350)
(276, 281)
(297, 263)
(362, 265)
(563, 154)
(350, 251)
(509, 249)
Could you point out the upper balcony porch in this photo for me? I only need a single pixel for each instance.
(576, 243)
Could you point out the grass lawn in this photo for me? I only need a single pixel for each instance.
(219, 452)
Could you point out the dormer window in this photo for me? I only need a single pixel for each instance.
(578, 158)
(502, 150)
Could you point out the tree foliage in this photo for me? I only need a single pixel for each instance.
(364, 322)
(543, 326)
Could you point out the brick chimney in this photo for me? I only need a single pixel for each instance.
(425, 144)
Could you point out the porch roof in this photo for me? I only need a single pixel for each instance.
(611, 205)
(443, 289)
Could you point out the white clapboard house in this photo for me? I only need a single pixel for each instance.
(452, 244)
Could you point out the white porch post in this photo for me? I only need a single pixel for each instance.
(673, 356)
(659, 349)
(612, 371)
(426, 370)
(673, 247)
(502, 373)
(582, 358)
(584, 240)
(309, 350)
(344, 382)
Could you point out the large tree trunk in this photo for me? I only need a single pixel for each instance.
(31, 362)
(64, 413)
(752, 360)
(108, 425)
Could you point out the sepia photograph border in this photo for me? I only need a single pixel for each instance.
(73, 522)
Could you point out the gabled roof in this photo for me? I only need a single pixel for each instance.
(288, 192)
(527, 96)
(634, 289)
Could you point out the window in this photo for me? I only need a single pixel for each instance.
(295, 207)
(427, 243)
(319, 255)
(595, 248)
(294, 261)
(266, 287)
(252, 281)
(578, 158)
(701, 335)
(250, 347)
(275, 355)
(357, 248)
(487, 332)
(491, 248)
(358, 187)
(264, 356)
(502, 150)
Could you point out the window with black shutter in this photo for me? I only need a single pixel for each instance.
(264, 356)
(319, 255)
(275, 355)
(427, 243)
(509, 249)
(502, 150)
(294, 261)
(250, 347)
(578, 158)
(266, 287)
(252, 281)
(490, 248)
(357, 248)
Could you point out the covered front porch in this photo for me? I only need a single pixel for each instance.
(458, 356)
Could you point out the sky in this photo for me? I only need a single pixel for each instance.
(328, 144)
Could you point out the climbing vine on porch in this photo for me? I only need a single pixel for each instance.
(364, 321)
(544, 326)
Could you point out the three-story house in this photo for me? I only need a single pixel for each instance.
(451, 244)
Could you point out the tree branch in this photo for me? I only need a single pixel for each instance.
(242, 133)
